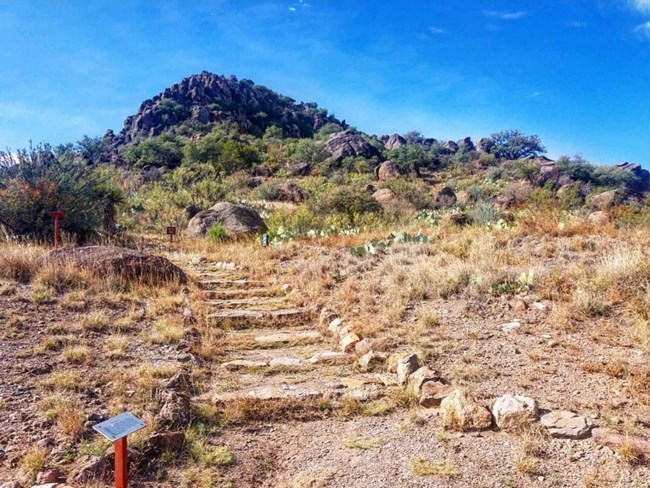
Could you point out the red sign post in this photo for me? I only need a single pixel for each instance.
(57, 216)
(116, 429)
(171, 232)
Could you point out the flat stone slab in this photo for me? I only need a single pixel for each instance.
(287, 361)
(236, 302)
(239, 364)
(331, 357)
(288, 338)
(277, 391)
(615, 440)
(254, 318)
(241, 293)
(567, 425)
(229, 283)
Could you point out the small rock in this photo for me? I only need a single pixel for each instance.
(335, 325)
(520, 306)
(364, 346)
(459, 411)
(406, 366)
(348, 342)
(159, 442)
(433, 392)
(365, 393)
(542, 307)
(512, 412)
(326, 317)
(371, 359)
(566, 425)
(181, 382)
(286, 288)
(419, 377)
(176, 409)
(615, 440)
(88, 468)
(393, 359)
(49, 476)
(510, 326)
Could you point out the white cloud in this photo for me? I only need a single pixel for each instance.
(505, 14)
(643, 30)
(292, 9)
(535, 94)
(437, 30)
(577, 24)
(641, 5)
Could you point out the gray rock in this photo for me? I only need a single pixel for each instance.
(512, 412)
(445, 198)
(567, 425)
(384, 195)
(386, 171)
(302, 168)
(419, 378)
(370, 360)
(176, 410)
(346, 144)
(406, 366)
(394, 141)
(433, 392)
(88, 468)
(237, 220)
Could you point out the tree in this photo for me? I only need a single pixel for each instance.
(512, 144)
(164, 150)
(36, 181)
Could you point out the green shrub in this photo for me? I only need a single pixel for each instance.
(40, 180)
(216, 233)
(349, 202)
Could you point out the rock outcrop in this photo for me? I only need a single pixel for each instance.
(119, 263)
(237, 220)
(386, 171)
(207, 99)
(394, 141)
(346, 144)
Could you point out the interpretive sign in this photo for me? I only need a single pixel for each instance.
(171, 231)
(117, 427)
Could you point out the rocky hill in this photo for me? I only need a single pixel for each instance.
(200, 101)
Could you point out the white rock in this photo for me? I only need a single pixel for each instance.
(406, 366)
(514, 411)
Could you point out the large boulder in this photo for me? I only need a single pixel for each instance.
(643, 174)
(466, 144)
(605, 200)
(118, 262)
(347, 144)
(386, 171)
(449, 147)
(300, 168)
(237, 220)
(445, 198)
(394, 142)
(384, 195)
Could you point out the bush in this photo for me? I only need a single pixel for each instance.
(216, 233)
(349, 202)
(37, 181)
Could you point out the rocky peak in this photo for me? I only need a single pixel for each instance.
(207, 98)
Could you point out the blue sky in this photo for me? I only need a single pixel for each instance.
(577, 73)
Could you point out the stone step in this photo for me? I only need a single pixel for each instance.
(250, 319)
(241, 293)
(219, 283)
(230, 303)
(242, 340)
(283, 388)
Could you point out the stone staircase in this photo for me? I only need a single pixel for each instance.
(275, 348)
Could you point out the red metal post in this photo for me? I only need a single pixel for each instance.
(56, 232)
(121, 464)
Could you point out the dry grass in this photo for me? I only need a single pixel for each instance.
(76, 354)
(526, 465)
(95, 321)
(362, 443)
(167, 331)
(248, 409)
(66, 381)
(426, 467)
(116, 346)
(33, 461)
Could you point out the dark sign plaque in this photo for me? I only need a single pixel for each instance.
(120, 426)
(171, 231)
